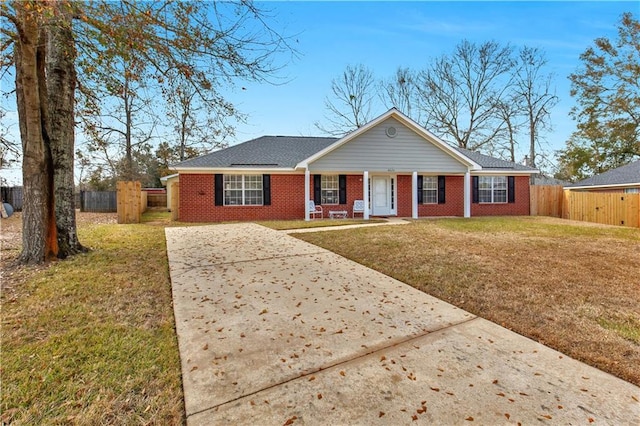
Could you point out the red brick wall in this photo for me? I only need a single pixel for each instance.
(287, 200)
(454, 200)
(520, 207)
(197, 200)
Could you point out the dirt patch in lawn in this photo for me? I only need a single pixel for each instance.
(570, 286)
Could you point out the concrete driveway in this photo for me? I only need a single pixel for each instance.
(273, 331)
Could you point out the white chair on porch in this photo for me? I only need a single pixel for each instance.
(315, 210)
(358, 208)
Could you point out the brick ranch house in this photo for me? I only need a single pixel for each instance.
(393, 164)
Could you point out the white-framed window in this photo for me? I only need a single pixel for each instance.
(429, 189)
(329, 189)
(242, 190)
(492, 189)
(632, 190)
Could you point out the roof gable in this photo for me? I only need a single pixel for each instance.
(407, 122)
(628, 174)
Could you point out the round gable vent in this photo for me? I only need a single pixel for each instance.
(391, 132)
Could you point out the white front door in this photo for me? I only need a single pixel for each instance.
(381, 195)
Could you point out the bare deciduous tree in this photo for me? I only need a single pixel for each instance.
(400, 91)
(460, 93)
(349, 106)
(533, 92)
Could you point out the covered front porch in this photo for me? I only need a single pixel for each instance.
(384, 194)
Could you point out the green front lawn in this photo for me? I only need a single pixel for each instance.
(91, 340)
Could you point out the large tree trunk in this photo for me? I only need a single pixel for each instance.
(61, 84)
(39, 240)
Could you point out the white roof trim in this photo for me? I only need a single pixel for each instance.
(412, 125)
(615, 185)
(500, 172)
(213, 170)
(166, 178)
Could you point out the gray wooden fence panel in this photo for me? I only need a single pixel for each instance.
(14, 196)
(98, 201)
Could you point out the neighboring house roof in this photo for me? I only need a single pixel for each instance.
(294, 152)
(626, 175)
(263, 152)
(541, 179)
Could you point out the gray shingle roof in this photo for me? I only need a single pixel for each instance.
(265, 151)
(287, 151)
(488, 162)
(628, 174)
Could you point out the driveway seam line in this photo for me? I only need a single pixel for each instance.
(257, 260)
(423, 334)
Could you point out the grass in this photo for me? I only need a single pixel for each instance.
(569, 285)
(316, 223)
(91, 340)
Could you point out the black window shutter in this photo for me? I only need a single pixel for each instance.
(317, 189)
(218, 190)
(511, 189)
(474, 191)
(342, 186)
(266, 190)
(441, 196)
(420, 186)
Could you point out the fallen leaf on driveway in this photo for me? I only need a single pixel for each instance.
(290, 421)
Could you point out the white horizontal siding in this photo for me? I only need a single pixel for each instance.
(376, 152)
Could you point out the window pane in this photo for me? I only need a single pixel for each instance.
(232, 182)
(242, 190)
(500, 196)
(253, 197)
(429, 190)
(329, 189)
(232, 197)
(253, 182)
(232, 185)
(492, 189)
(484, 182)
(484, 195)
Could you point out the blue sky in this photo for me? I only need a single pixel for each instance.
(385, 35)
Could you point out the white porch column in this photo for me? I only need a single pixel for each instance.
(414, 195)
(467, 194)
(365, 194)
(306, 194)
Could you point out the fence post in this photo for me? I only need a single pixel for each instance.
(175, 201)
(129, 202)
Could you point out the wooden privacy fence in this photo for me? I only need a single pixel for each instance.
(132, 202)
(98, 201)
(156, 200)
(12, 195)
(547, 200)
(609, 208)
